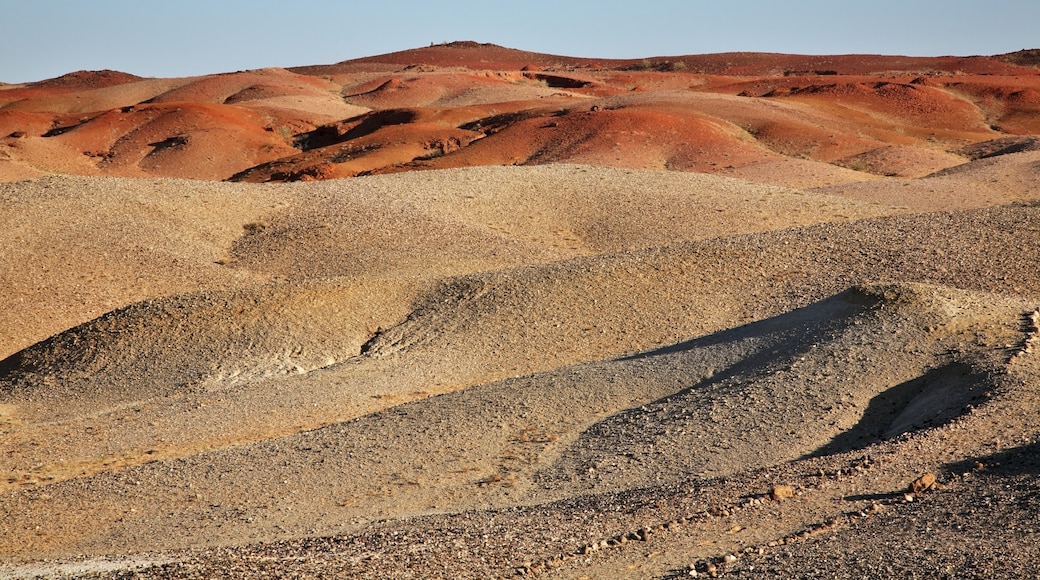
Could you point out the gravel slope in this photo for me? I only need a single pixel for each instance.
(504, 403)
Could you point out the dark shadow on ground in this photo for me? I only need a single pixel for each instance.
(926, 401)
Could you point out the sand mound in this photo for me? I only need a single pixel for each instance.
(987, 181)
(447, 89)
(426, 225)
(86, 102)
(534, 395)
(917, 105)
(87, 80)
(1010, 107)
(77, 248)
(1002, 146)
(901, 161)
(869, 365)
(199, 342)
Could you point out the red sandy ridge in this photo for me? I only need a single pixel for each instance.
(465, 104)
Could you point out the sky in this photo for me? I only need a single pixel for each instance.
(47, 38)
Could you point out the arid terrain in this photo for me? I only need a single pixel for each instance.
(471, 312)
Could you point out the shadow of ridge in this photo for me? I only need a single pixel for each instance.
(1021, 460)
(369, 123)
(11, 369)
(784, 337)
(929, 400)
(875, 496)
(828, 311)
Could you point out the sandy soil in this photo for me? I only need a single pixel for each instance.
(802, 362)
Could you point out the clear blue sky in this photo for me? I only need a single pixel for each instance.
(47, 38)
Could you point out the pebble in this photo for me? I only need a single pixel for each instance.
(923, 483)
(781, 492)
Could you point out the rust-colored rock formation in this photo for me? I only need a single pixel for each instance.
(464, 104)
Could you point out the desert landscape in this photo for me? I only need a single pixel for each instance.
(466, 311)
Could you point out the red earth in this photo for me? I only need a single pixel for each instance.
(465, 104)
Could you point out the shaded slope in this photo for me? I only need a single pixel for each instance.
(836, 376)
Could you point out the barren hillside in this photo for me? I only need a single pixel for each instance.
(466, 311)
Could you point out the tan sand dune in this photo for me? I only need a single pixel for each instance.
(508, 443)
(183, 236)
(626, 283)
(983, 182)
(76, 248)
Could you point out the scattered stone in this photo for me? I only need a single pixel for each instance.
(781, 492)
(923, 483)
(729, 558)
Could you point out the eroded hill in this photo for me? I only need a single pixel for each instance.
(467, 104)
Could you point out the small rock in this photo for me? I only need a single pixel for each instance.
(923, 483)
(729, 558)
(781, 492)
